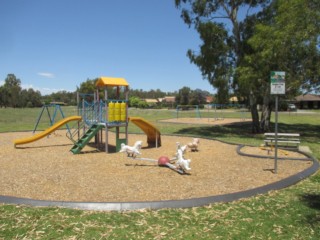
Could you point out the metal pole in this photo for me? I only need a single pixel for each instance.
(127, 112)
(215, 112)
(38, 120)
(107, 117)
(276, 138)
(78, 98)
(177, 111)
(84, 115)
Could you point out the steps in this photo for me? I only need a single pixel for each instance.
(83, 141)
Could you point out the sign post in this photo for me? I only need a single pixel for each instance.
(277, 87)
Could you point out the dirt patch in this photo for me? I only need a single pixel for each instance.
(207, 121)
(47, 170)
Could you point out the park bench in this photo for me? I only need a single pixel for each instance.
(284, 139)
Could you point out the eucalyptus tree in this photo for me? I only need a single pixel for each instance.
(4, 97)
(285, 38)
(12, 86)
(222, 49)
(30, 98)
(198, 97)
(183, 96)
(280, 35)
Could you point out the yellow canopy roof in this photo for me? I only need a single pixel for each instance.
(111, 81)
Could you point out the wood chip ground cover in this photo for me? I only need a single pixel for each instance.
(47, 170)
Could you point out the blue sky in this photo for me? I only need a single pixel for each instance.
(53, 45)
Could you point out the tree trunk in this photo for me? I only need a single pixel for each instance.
(254, 114)
(266, 113)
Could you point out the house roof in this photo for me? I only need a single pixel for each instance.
(151, 100)
(111, 81)
(169, 98)
(307, 97)
(209, 99)
(233, 99)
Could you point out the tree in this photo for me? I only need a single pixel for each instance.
(4, 97)
(143, 104)
(183, 96)
(213, 59)
(134, 101)
(222, 51)
(28, 99)
(138, 93)
(198, 97)
(12, 95)
(13, 88)
(87, 88)
(137, 102)
(283, 35)
(68, 98)
(286, 39)
(147, 94)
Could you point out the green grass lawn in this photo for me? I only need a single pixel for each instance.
(291, 213)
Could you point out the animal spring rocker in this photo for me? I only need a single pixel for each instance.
(194, 145)
(132, 151)
(181, 165)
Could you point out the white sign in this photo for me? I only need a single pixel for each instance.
(278, 85)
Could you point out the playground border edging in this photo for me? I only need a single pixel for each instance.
(272, 157)
(185, 203)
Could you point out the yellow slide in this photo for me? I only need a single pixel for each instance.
(153, 134)
(47, 131)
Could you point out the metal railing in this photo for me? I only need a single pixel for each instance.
(92, 113)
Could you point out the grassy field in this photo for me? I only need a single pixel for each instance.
(292, 213)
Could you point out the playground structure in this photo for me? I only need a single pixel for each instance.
(153, 134)
(214, 111)
(180, 108)
(109, 113)
(98, 115)
(57, 108)
(102, 114)
(48, 131)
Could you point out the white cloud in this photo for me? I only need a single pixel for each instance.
(47, 91)
(1, 83)
(46, 74)
(43, 91)
(27, 86)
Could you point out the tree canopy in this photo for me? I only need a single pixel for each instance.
(12, 95)
(277, 35)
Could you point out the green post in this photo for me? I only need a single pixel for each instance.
(119, 141)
